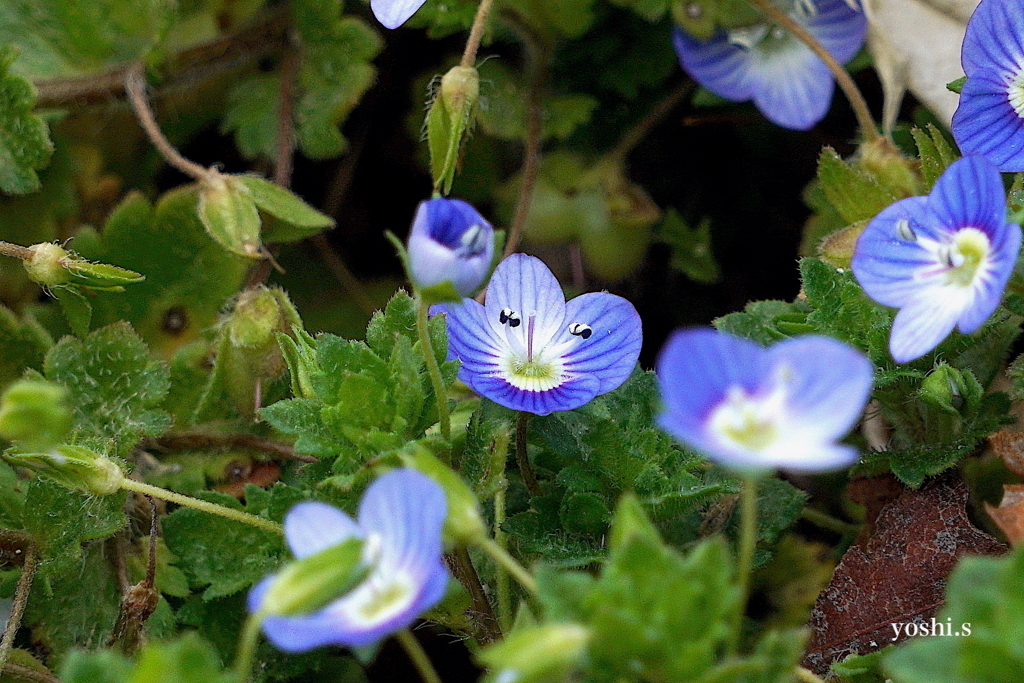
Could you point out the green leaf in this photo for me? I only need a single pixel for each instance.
(77, 309)
(105, 666)
(935, 153)
(691, 247)
(220, 554)
(25, 145)
(766, 322)
(114, 387)
(188, 275)
(187, 660)
(24, 342)
(983, 602)
(855, 195)
(252, 115)
(286, 206)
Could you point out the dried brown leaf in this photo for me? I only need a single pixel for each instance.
(1009, 446)
(897, 574)
(1010, 513)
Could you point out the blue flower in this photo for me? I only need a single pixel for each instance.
(943, 260)
(788, 83)
(450, 242)
(528, 349)
(394, 13)
(400, 519)
(754, 409)
(990, 118)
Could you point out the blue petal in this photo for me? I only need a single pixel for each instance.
(839, 28)
(986, 124)
(970, 194)
(569, 395)
(994, 37)
(394, 13)
(450, 242)
(831, 382)
(923, 323)
(407, 509)
(884, 263)
(311, 526)
(611, 352)
(794, 89)
(718, 65)
(526, 286)
(695, 369)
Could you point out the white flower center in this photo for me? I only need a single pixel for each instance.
(752, 422)
(531, 366)
(1015, 91)
(960, 260)
(381, 596)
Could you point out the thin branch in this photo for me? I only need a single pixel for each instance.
(538, 55)
(476, 33)
(523, 456)
(202, 440)
(462, 566)
(24, 672)
(286, 120)
(135, 86)
(28, 572)
(853, 94)
(637, 133)
(16, 251)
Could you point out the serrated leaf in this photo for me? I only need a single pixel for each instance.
(222, 555)
(766, 322)
(935, 153)
(24, 342)
(114, 386)
(252, 115)
(25, 145)
(691, 247)
(854, 194)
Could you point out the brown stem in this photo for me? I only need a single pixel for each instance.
(476, 33)
(538, 55)
(853, 94)
(16, 250)
(28, 674)
(185, 440)
(259, 40)
(135, 86)
(28, 571)
(465, 572)
(522, 456)
(286, 120)
(643, 127)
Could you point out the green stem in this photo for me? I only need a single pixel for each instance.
(205, 506)
(28, 572)
(504, 586)
(247, 647)
(744, 564)
(843, 79)
(807, 676)
(418, 656)
(433, 369)
(827, 521)
(503, 559)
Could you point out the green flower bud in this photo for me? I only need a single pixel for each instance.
(945, 388)
(892, 169)
(464, 523)
(228, 211)
(315, 581)
(539, 654)
(46, 267)
(75, 467)
(33, 414)
(449, 118)
(837, 249)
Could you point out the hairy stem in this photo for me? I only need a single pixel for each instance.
(205, 506)
(16, 251)
(482, 614)
(505, 560)
(745, 552)
(850, 89)
(504, 588)
(28, 572)
(419, 658)
(135, 86)
(247, 647)
(433, 369)
(483, 12)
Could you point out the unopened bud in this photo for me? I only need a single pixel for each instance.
(46, 267)
(313, 582)
(75, 467)
(34, 415)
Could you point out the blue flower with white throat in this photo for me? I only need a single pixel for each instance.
(394, 13)
(989, 120)
(788, 83)
(943, 260)
(753, 409)
(400, 519)
(450, 244)
(527, 349)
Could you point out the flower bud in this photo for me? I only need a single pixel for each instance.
(46, 267)
(450, 249)
(75, 467)
(463, 524)
(541, 653)
(945, 387)
(312, 582)
(33, 414)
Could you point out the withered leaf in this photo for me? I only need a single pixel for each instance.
(897, 574)
(1010, 513)
(1009, 446)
